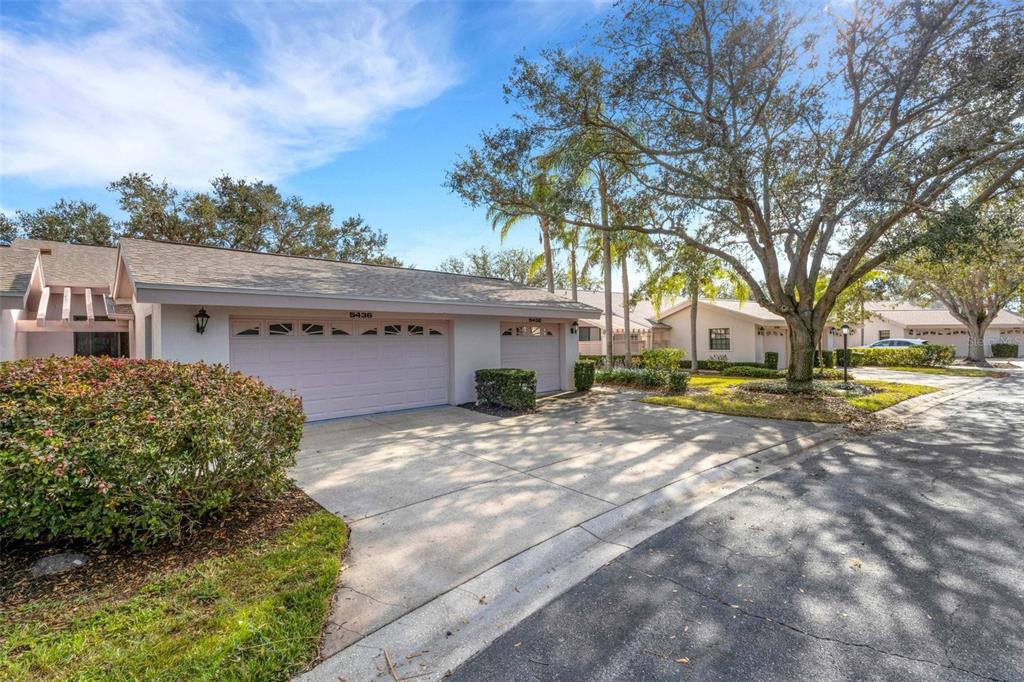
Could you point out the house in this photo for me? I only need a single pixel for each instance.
(744, 332)
(645, 330)
(349, 338)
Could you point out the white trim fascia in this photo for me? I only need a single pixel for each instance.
(764, 321)
(183, 295)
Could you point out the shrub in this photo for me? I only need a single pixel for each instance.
(913, 356)
(771, 359)
(785, 388)
(719, 365)
(641, 378)
(583, 374)
(110, 451)
(668, 359)
(939, 355)
(829, 373)
(678, 381)
(756, 372)
(515, 389)
(599, 360)
(1005, 350)
(855, 358)
(824, 358)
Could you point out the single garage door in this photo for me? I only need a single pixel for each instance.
(345, 368)
(533, 346)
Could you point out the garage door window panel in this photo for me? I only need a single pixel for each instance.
(312, 329)
(367, 329)
(246, 328)
(341, 329)
(281, 328)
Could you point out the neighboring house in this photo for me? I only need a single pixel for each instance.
(645, 330)
(744, 332)
(349, 338)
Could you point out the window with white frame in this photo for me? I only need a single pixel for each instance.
(718, 339)
(245, 328)
(280, 328)
(590, 334)
(312, 329)
(883, 334)
(341, 329)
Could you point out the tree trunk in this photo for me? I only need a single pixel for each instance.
(694, 296)
(976, 342)
(548, 265)
(606, 263)
(801, 357)
(625, 309)
(572, 273)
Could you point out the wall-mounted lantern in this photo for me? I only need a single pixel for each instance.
(201, 319)
(574, 328)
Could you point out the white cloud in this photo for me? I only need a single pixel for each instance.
(143, 88)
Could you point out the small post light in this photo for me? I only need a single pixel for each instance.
(846, 354)
(201, 319)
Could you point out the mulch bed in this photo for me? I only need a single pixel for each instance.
(114, 572)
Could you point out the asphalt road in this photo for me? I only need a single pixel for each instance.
(899, 556)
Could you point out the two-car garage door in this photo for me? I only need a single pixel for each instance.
(345, 368)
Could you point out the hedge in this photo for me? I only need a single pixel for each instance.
(771, 359)
(515, 389)
(115, 451)
(719, 365)
(583, 374)
(913, 356)
(755, 372)
(678, 381)
(639, 377)
(668, 359)
(824, 358)
(599, 360)
(1005, 350)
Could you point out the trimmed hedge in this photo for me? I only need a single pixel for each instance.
(583, 374)
(598, 360)
(515, 389)
(719, 365)
(639, 377)
(115, 451)
(668, 359)
(1005, 350)
(829, 373)
(755, 372)
(913, 356)
(771, 359)
(677, 382)
(824, 358)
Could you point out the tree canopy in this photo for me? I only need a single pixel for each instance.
(235, 213)
(802, 141)
(516, 265)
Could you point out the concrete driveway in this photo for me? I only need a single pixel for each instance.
(439, 497)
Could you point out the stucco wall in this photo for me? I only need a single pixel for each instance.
(476, 344)
(12, 342)
(178, 339)
(742, 333)
(871, 329)
(45, 344)
(570, 352)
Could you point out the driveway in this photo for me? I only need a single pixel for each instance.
(899, 556)
(437, 498)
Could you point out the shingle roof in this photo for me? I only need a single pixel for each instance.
(909, 315)
(748, 308)
(641, 316)
(72, 264)
(171, 265)
(15, 270)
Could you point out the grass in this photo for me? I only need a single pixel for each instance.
(719, 394)
(947, 371)
(253, 614)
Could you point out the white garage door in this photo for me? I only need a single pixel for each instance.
(349, 367)
(533, 346)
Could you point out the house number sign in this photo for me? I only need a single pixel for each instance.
(361, 315)
(534, 319)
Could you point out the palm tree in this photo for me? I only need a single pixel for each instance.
(569, 238)
(698, 274)
(628, 244)
(504, 218)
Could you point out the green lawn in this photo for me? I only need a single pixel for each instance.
(719, 394)
(947, 371)
(254, 614)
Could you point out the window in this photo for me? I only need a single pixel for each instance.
(341, 329)
(435, 332)
(245, 328)
(392, 329)
(883, 334)
(590, 334)
(312, 329)
(415, 329)
(719, 339)
(507, 331)
(280, 329)
(114, 344)
(368, 329)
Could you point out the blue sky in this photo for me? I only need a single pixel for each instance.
(361, 106)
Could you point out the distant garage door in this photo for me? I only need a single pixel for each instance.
(533, 346)
(345, 368)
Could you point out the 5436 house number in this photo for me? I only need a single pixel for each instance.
(361, 315)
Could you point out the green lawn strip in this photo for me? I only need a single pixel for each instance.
(946, 371)
(719, 395)
(254, 614)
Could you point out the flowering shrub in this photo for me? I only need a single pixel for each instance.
(135, 451)
(667, 359)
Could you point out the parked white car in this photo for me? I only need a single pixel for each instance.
(896, 343)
